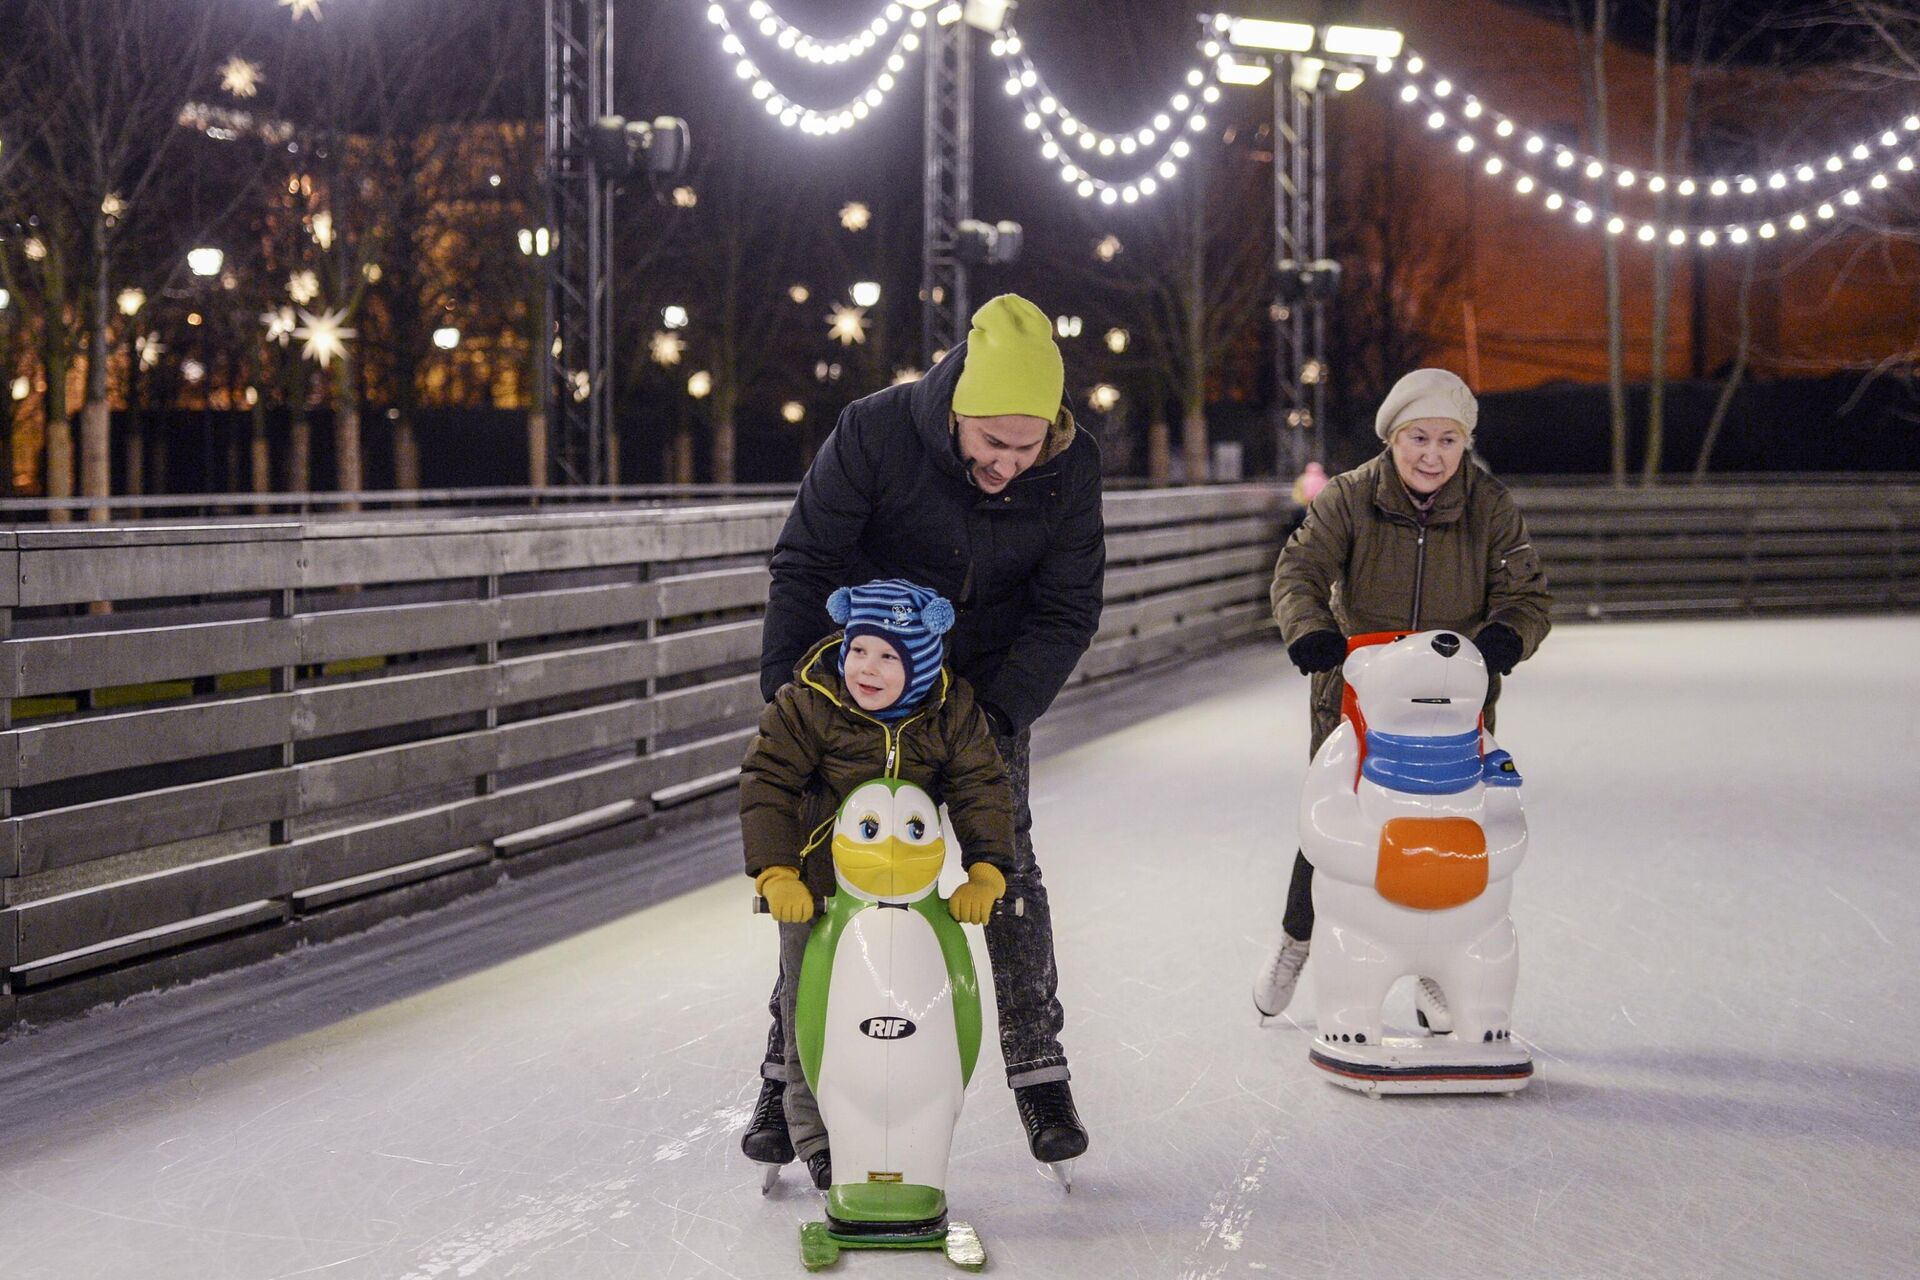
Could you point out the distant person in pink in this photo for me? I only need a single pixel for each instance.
(1309, 484)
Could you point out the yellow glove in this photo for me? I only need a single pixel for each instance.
(973, 901)
(788, 898)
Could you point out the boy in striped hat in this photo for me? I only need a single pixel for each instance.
(873, 700)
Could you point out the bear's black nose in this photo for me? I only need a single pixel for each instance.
(1446, 644)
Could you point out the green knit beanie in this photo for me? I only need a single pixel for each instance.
(1012, 363)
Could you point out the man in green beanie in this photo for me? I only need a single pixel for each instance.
(975, 482)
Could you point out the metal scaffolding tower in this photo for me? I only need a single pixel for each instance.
(576, 394)
(948, 186)
(1306, 280)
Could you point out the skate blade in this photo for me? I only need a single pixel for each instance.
(964, 1249)
(1060, 1171)
(769, 1175)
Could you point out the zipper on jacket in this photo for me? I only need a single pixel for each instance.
(1419, 572)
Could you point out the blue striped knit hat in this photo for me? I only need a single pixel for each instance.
(907, 616)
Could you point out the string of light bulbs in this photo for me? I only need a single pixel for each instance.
(790, 39)
(808, 119)
(1066, 140)
(1858, 158)
(1528, 185)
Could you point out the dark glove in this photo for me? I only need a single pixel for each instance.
(1500, 645)
(997, 720)
(1318, 651)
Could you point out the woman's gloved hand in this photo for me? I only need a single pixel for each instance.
(973, 901)
(1318, 651)
(788, 899)
(1500, 645)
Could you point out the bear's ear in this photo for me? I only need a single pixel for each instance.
(1360, 659)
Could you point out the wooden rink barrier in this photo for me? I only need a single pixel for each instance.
(221, 738)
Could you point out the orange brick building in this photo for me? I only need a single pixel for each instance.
(1530, 304)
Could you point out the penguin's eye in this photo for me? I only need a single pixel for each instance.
(869, 828)
(916, 828)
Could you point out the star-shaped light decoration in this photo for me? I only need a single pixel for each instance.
(112, 206)
(323, 229)
(303, 287)
(302, 7)
(324, 336)
(685, 197)
(1108, 249)
(855, 216)
(279, 324)
(36, 249)
(240, 77)
(666, 348)
(150, 349)
(847, 324)
(901, 377)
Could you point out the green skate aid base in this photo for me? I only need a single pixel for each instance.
(820, 1248)
(882, 1202)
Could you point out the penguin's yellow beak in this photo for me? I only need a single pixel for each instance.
(890, 868)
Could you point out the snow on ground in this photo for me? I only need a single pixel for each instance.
(1720, 967)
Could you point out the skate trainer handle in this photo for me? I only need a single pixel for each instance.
(1018, 906)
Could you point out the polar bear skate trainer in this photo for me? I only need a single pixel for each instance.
(1411, 817)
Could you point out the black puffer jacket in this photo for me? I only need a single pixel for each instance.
(888, 497)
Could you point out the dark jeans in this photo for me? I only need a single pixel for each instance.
(1298, 919)
(1020, 947)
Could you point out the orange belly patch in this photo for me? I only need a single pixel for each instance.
(1430, 864)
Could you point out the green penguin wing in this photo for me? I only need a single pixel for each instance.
(961, 973)
(816, 974)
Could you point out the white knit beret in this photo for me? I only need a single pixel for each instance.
(1427, 393)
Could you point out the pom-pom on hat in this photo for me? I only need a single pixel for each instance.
(1427, 393)
(1012, 364)
(908, 616)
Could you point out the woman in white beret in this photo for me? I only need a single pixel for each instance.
(1408, 541)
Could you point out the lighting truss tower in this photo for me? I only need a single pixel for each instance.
(1300, 239)
(948, 187)
(576, 393)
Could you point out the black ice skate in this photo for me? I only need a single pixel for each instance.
(1054, 1132)
(820, 1169)
(766, 1141)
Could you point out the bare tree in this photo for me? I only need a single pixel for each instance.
(1405, 275)
(107, 91)
(1662, 257)
(1592, 48)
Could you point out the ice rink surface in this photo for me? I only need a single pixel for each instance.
(1720, 980)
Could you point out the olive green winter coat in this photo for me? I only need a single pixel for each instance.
(815, 746)
(1366, 560)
